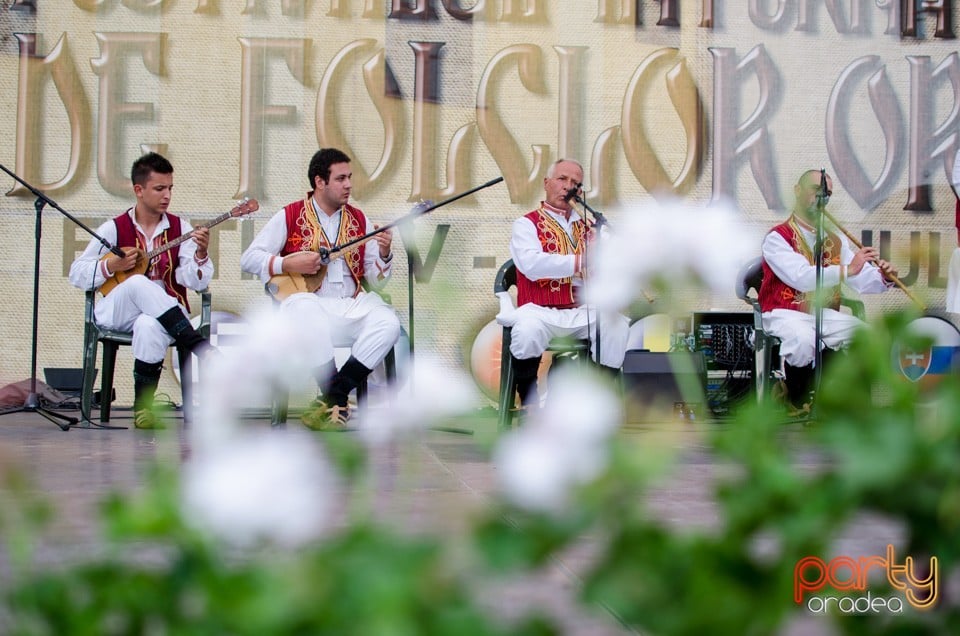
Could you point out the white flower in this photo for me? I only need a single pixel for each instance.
(434, 392)
(561, 446)
(269, 356)
(275, 486)
(579, 407)
(671, 242)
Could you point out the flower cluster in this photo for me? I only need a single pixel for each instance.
(668, 245)
(560, 446)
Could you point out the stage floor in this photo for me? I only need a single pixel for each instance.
(452, 477)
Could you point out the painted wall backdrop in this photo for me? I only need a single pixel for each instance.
(705, 100)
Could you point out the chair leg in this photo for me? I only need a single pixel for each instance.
(390, 367)
(89, 370)
(390, 370)
(186, 381)
(106, 379)
(278, 408)
(764, 356)
(508, 383)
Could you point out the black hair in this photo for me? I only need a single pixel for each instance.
(321, 162)
(150, 162)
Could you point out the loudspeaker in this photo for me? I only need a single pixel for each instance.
(655, 382)
(64, 379)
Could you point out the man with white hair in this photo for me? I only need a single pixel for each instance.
(549, 248)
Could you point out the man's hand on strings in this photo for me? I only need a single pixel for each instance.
(129, 261)
(384, 240)
(302, 263)
(201, 236)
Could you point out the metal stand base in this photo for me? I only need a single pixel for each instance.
(32, 405)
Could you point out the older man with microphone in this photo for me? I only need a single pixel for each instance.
(549, 247)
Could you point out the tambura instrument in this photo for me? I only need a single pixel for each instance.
(929, 365)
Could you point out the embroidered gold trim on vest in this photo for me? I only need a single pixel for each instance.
(555, 240)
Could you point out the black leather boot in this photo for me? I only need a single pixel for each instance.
(799, 382)
(348, 378)
(525, 375)
(146, 377)
(178, 326)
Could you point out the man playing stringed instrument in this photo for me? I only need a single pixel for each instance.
(152, 305)
(328, 298)
(789, 284)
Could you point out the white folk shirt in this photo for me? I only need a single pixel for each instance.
(87, 273)
(528, 254)
(793, 269)
(261, 256)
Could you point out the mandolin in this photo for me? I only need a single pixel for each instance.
(283, 285)
(243, 208)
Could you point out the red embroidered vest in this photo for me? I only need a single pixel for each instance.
(775, 294)
(304, 234)
(551, 292)
(163, 266)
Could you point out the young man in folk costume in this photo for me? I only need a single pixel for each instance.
(152, 305)
(790, 281)
(549, 249)
(335, 309)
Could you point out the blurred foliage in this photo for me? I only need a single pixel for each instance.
(160, 576)
(880, 447)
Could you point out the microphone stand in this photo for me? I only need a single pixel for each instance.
(412, 269)
(32, 402)
(419, 210)
(599, 222)
(822, 198)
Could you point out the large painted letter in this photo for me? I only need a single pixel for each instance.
(478, 10)
(525, 11)
(764, 20)
(644, 163)
(883, 99)
(401, 10)
(943, 9)
(495, 134)
(570, 106)
(382, 88)
(607, 11)
(255, 113)
(110, 67)
(426, 143)
(34, 73)
(733, 140)
(927, 145)
(342, 9)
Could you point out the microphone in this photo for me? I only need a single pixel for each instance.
(823, 195)
(571, 193)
